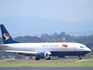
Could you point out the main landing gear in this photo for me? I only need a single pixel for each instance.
(48, 58)
(37, 58)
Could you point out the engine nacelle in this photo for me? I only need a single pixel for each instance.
(43, 55)
(47, 55)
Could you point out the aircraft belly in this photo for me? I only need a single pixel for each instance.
(67, 53)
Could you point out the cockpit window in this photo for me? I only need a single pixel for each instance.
(81, 47)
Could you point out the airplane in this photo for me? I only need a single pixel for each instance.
(42, 50)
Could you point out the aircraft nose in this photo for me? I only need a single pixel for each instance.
(89, 50)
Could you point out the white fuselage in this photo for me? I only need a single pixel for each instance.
(44, 47)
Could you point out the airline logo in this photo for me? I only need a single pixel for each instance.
(7, 36)
(64, 47)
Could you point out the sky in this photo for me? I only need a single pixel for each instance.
(68, 10)
(46, 12)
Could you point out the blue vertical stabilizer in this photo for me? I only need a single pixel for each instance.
(7, 39)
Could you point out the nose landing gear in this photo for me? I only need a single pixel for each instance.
(80, 57)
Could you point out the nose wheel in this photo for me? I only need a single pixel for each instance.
(80, 57)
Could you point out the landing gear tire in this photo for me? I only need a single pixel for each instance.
(80, 57)
(37, 58)
(48, 58)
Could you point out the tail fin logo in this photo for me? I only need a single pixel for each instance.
(7, 36)
(64, 47)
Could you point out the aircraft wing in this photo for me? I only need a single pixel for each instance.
(24, 52)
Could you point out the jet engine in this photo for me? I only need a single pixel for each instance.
(45, 55)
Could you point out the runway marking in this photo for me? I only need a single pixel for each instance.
(80, 61)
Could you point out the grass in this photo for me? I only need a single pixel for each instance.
(46, 64)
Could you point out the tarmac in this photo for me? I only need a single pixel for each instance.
(43, 60)
(48, 68)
